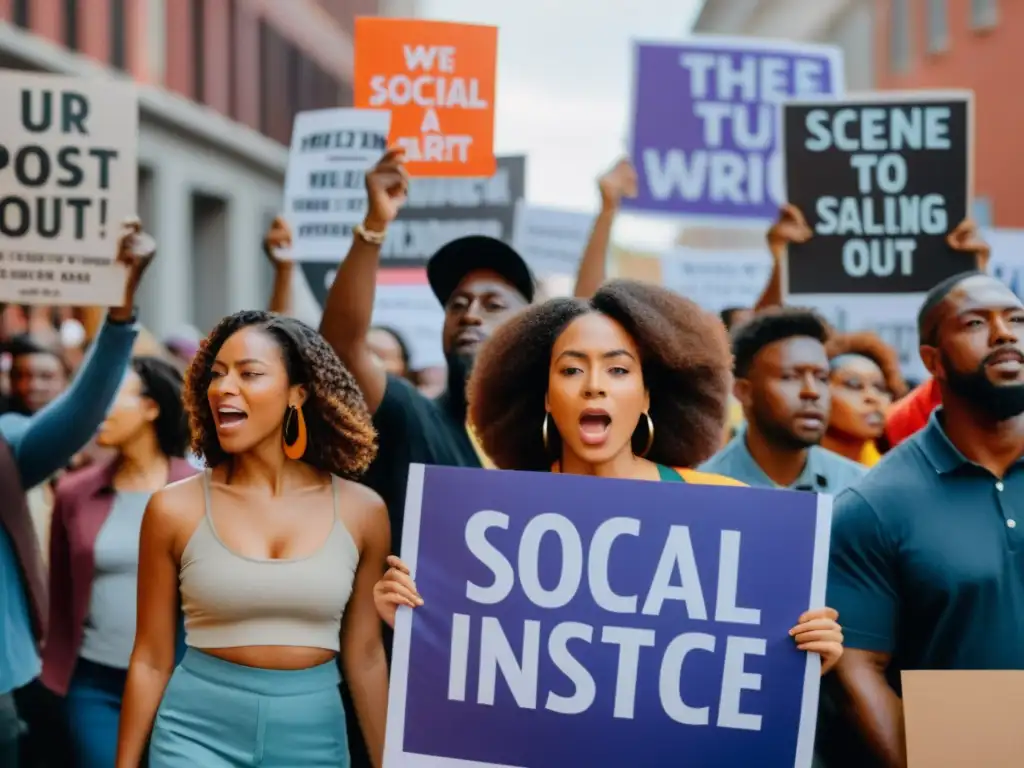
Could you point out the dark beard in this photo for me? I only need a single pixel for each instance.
(460, 367)
(999, 402)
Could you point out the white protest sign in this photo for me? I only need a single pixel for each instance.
(324, 190)
(68, 178)
(717, 280)
(551, 240)
(413, 311)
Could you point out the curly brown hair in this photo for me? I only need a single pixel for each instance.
(869, 345)
(685, 360)
(341, 439)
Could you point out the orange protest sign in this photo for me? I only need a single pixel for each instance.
(438, 81)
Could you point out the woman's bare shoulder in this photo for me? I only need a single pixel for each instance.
(178, 505)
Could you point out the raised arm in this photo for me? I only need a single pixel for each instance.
(862, 586)
(790, 227)
(617, 183)
(46, 441)
(277, 247)
(349, 308)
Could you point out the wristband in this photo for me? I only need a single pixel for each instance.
(368, 236)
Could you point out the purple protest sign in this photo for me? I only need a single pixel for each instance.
(583, 621)
(704, 123)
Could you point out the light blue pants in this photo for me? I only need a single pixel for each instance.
(216, 714)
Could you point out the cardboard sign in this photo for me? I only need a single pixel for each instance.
(960, 718)
(68, 177)
(325, 188)
(551, 240)
(704, 123)
(581, 621)
(717, 280)
(405, 304)
(882, 179)
(437, 212)
(438, 80)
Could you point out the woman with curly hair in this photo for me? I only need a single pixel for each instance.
(864, 378)
(94, 554)
(272, 554)
(632, 383)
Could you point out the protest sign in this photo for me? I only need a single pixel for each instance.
(962, 717)
(325, 187)
(881, 179)
(704, 122)
(68, 176)
(406, 304)
(717, 280)
(551, 240)
(438, 80)
(437, 212)
(574, 620)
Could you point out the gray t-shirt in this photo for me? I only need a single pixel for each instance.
(825, 471)
(110, 623)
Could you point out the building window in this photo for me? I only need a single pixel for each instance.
(899, 36)
(71, 24)
(199, 49)
(938, 26)
(118, 57)
(19, 13)
(984, 14)
(232, 59)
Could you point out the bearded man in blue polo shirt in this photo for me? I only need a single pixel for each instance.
(927, 562)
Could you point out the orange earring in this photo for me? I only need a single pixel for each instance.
(297, 449)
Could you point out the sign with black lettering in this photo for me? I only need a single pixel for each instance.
(438, 211)
(325, 187)
(67, 179)
(882, 180)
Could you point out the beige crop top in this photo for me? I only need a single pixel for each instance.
(231, 601)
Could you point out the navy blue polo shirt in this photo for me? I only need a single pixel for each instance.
(927, 559)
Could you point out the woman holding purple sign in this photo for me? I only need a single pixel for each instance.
(632, 383)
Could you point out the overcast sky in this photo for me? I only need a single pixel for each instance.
(564, 72)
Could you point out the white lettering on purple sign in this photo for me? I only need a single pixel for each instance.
(735, 98)
(673, 579)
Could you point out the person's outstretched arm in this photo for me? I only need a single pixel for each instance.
(349, 308)
(46, 441)
(617, 183)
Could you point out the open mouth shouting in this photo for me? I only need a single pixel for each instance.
(229, 417)
(595, 425)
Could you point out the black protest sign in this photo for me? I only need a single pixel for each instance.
(881, 181)
(438, 211)
(68, 178)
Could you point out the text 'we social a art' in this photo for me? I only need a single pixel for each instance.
(438, 80)
(705, 116)
(577, 621)
(881, 184)
(68, 177)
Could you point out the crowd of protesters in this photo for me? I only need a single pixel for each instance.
(161, 600)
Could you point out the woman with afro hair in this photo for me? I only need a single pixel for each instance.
(864, 379)
(631, 383)
(272, 555)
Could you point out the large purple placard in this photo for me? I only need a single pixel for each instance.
(584, 621)
(704, 123)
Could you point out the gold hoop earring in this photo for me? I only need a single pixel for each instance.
(544, 431)
(650, 435)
